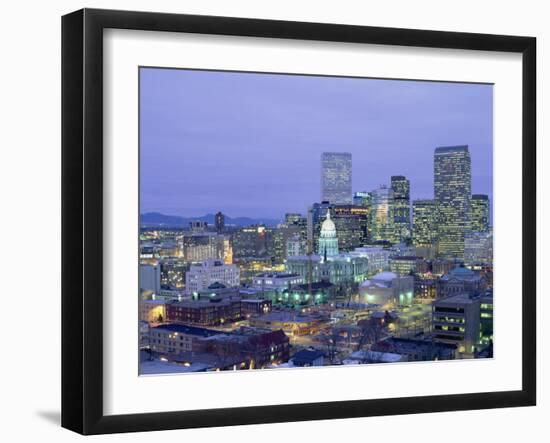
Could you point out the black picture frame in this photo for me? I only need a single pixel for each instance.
(82, 218)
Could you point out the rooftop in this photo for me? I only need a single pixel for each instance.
(283, 316)
(449, 149)
(277, 275)
(188, 330)
(306, 356)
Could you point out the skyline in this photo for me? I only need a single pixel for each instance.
(185, 114)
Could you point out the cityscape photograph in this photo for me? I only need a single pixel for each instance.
(295, 221)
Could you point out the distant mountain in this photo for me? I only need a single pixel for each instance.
(158, 219)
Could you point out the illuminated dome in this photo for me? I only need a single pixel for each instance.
(328, 226)
(328, 242)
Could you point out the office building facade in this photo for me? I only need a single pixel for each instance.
(336, 177)
(479, 213)
(452, 190)
(401, 189)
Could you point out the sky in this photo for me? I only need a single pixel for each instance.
(250, 144)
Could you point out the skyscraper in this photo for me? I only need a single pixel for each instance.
(424, 223)
(336, 177)
(479, 213)
(352, 225)
(381, 214)
(220, 222)
(401, 207)
(452, 189)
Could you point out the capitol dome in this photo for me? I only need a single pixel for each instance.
(328, 241)
(328, 225)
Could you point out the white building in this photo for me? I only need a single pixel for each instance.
(328, 240)
(388, 288)
(379, 258)
(276, 281)
(478, 247)
(202, 275)
(149, 278)
(295, 245)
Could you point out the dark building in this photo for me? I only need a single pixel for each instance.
(280, 237)
(351, 222)
(308, 357)
(252, 242)
(255, 306)
(172, 273)
(401, 207)
(211, 312)
(461, 280)
(258, 347)
(416, 350)
(351, 225)
(198, 226)
(425, 286)
(220, 222)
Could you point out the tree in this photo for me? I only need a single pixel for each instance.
(331, 342)
(371, 332)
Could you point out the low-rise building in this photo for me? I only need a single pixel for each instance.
(461, 280)
(276, 281)
(152, 311)
(176, 339)
(425, 286)
(256, 347)
(388, 288)
(214, 311)
(456, 320)
(255, 306)
(416, 350)
(407, 264)
(307, 358)
(293, 324)
(202, 275)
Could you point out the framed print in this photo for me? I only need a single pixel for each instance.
(268, 221)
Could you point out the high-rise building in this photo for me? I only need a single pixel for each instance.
(381, 215)
(220, 222)
(201, 246)
(281, 234)
(252, 241)
(294, 218)
(479, 213)
(328, 241)
(401, 207)
(478, 247)
(336, 177)
(424, 223)
(198, 226)
(352, 225)
(452, 189)
(362, 198)
(295, 245)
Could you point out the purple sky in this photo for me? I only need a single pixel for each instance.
(250, 144)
